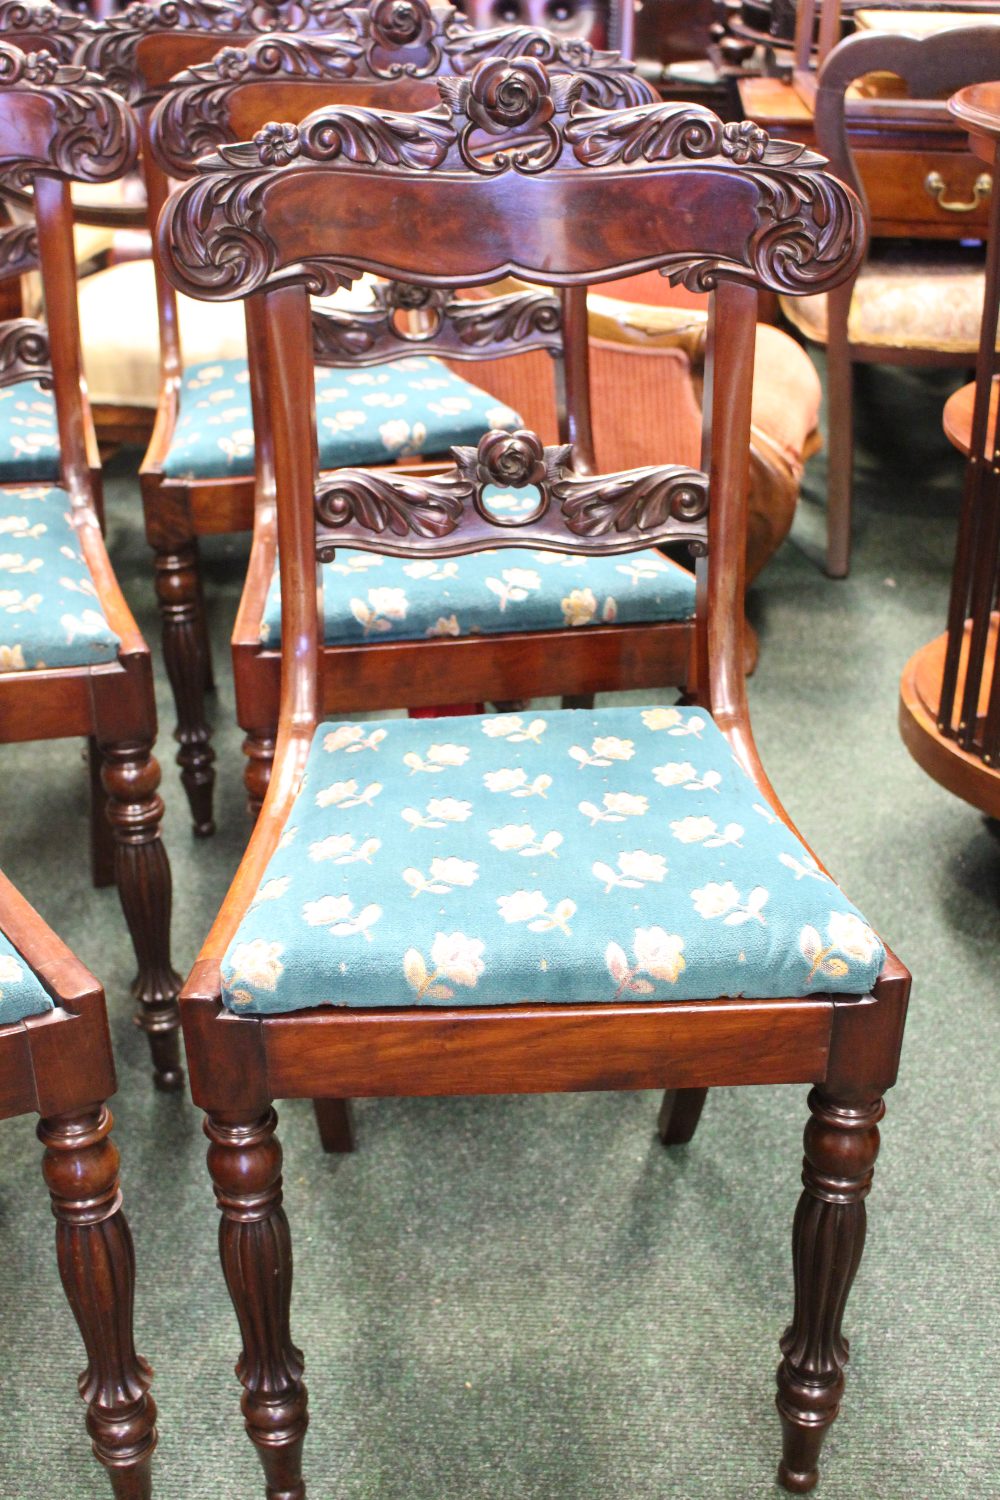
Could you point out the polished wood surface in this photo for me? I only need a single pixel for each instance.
(70, 130)
(59, 1066)
(696, 203)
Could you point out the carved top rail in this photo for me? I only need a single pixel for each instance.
(486, 184)
(43, 27)
(386, 44)
(56, 117)
(24, 352)
(452, 513)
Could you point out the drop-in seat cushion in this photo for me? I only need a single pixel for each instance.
(912, 297)
(367, 597)
(616, 854)
(50, 615)
(373, 416)
(29, 437)
(21, 992)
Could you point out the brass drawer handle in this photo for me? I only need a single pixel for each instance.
(937, 187)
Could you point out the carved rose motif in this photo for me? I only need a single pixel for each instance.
(231, 62)
(40, 67)
(744, 141)
(404, 294)
(400, 23)
(516, 459)
(277, 143)
(507, 96)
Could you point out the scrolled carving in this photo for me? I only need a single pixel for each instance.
(24, 352)
(93, 137)
(32, 27)
(603, 513)
(396, 26)
(606, 79)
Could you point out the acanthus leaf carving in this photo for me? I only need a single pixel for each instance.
(395, 504)
(93, 137)
(458, 326)
(43, 25)
(642, 500)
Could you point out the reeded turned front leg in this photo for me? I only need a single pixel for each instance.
(244, 1160)
(131, 776)
(97, 1267)
(178, 589)
(841, 1144)
(680, 1112)
(258, 747)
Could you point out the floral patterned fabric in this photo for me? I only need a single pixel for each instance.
(21, 992)
(50, 615)
(362, 416)
(619, 854)
(29, 437)
(370, 597)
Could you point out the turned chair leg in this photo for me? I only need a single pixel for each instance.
(335, 1121)
(680, 1112)
(258, 747)
(97, 1267)
(244, 1160)
(102, 843)
(131, 776)
(178, 589)
(841, 1144)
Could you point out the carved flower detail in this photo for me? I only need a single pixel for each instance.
(509, 95)
(40, 67)
(277, 143)
(400, 23)
(744, 141)
(231, 62)
(511, 458)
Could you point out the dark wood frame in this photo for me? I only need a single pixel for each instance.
(64, 127)
(59, 1065)
(381, 54)
(931, 66)
(246, 228)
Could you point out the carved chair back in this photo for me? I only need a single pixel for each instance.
(58, 125)
(455, 196)
(392, 56)
(43, 27)
(932, 67)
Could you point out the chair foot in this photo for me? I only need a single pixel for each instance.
(841, 1144)
(244, 1160)
(335, 1121)
(131, 776)
(258, 747)
(178, 589)
(680, 1112)
(97, 1267)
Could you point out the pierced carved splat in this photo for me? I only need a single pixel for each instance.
(24, 352)
(451, 513)
(458, 328)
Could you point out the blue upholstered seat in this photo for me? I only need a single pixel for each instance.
(21, 992)
(362, 416)
(29, 438)
(50, 615)
(569, 856)
(371, 597)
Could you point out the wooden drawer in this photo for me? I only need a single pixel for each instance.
(901, 204)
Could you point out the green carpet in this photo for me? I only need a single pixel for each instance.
(529, 1299)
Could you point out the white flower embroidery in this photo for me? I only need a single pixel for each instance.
(337, 913)
(499, 417)
(604, 750)
(13, 562)
(766, 812)
(646, 565)
(439, 812)
(10, 970)
(340, 847)
(288, 838)
(357, 562)
(513, 586)
(398, 434)
(512, 727)
(385, 399)
(454, 957)
(384, 605)
(439, 758)
(257, 964)
(272, 890)
(635, 869)
(352, 737)
(344, 794)
(444, 625)
(846, 934)
(706, 831)
(12, 659)
(449, 406)
(806, 866)
(617, 807)
(672, 720)
(533, 908)
(724, 900)
(428, 568)
(88, 622)
(71, 585)
(657, 953)
(443, 877)
(521, 838)
(515, 781)
(343, 421)
(682, 773)
(579, 607)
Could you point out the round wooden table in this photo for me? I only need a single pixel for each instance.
(949, 697)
